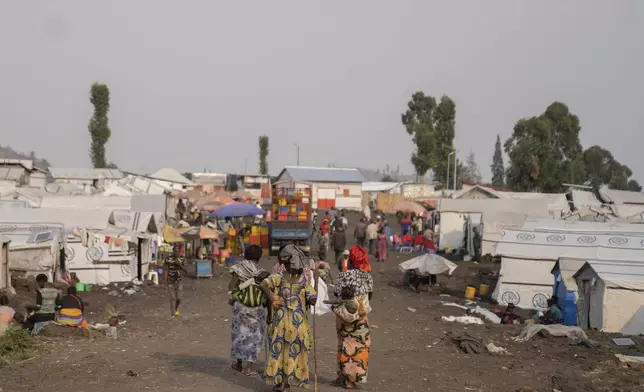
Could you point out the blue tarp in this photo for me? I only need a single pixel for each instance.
(236, 210)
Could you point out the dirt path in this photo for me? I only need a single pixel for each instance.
(411, 351)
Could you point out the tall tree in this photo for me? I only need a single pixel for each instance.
(419, 122)
(634, 186)
(471, 170)
(603, 169)
(432, 128)
(263, 155)
(445, 121)
(498, 169)
(98, 127)
(544, 151)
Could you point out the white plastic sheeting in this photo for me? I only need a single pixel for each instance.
(428, 264)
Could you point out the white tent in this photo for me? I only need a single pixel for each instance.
(611, 297)
(528, 255)
(495, 215)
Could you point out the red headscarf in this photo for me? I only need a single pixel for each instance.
(360, 258)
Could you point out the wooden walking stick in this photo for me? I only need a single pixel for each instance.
(315, 357)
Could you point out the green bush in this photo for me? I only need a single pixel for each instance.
(15, 346)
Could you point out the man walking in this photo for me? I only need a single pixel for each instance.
(339, 243)
(173, 276)
(360, 233)
(372, 235)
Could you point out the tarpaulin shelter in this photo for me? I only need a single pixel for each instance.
(410, 206)
(236, 210)
(200, 233)
(428, 264)
(172, 235)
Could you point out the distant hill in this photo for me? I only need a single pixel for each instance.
(9, 153)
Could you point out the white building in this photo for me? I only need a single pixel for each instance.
(331, 187)
(611, 297)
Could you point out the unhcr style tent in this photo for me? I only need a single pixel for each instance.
(611, 297)
(528, 255)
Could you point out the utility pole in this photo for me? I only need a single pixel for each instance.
(455, 165)
(449, 156)
(297, 146)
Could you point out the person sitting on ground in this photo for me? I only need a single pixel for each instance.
(509, 317)
(47, 302)
(419, 240)
(72, 310)
(7, 314)
(553, 315)
(406, 239)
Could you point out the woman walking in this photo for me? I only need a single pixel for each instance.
(354, 335)
(289, 337)
(249, 312)
(354, 339)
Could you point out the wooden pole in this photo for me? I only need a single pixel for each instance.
(315, 357)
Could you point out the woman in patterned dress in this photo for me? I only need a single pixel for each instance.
(248, 322)
(288, 337)
(354, 335)
(354, 342)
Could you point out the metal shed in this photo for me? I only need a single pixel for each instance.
(332, 187)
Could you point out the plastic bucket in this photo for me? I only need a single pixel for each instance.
(80, 287)
(470, 292)
(484, 289)
(88, 288)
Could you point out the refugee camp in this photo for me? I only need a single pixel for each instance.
(283, 196)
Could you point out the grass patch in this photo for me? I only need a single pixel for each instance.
(16, 345)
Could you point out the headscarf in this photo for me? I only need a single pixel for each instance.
(245, 270)
(359, 259)
(248, 269)
(293, 256)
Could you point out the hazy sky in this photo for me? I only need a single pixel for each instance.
(194, 83)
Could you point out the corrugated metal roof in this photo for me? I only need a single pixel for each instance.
(170, 175)
(85, 173)
(321, 174)
(11, 173)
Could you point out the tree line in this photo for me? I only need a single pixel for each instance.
(544, 151)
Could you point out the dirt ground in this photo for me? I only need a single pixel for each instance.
(412, 348)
